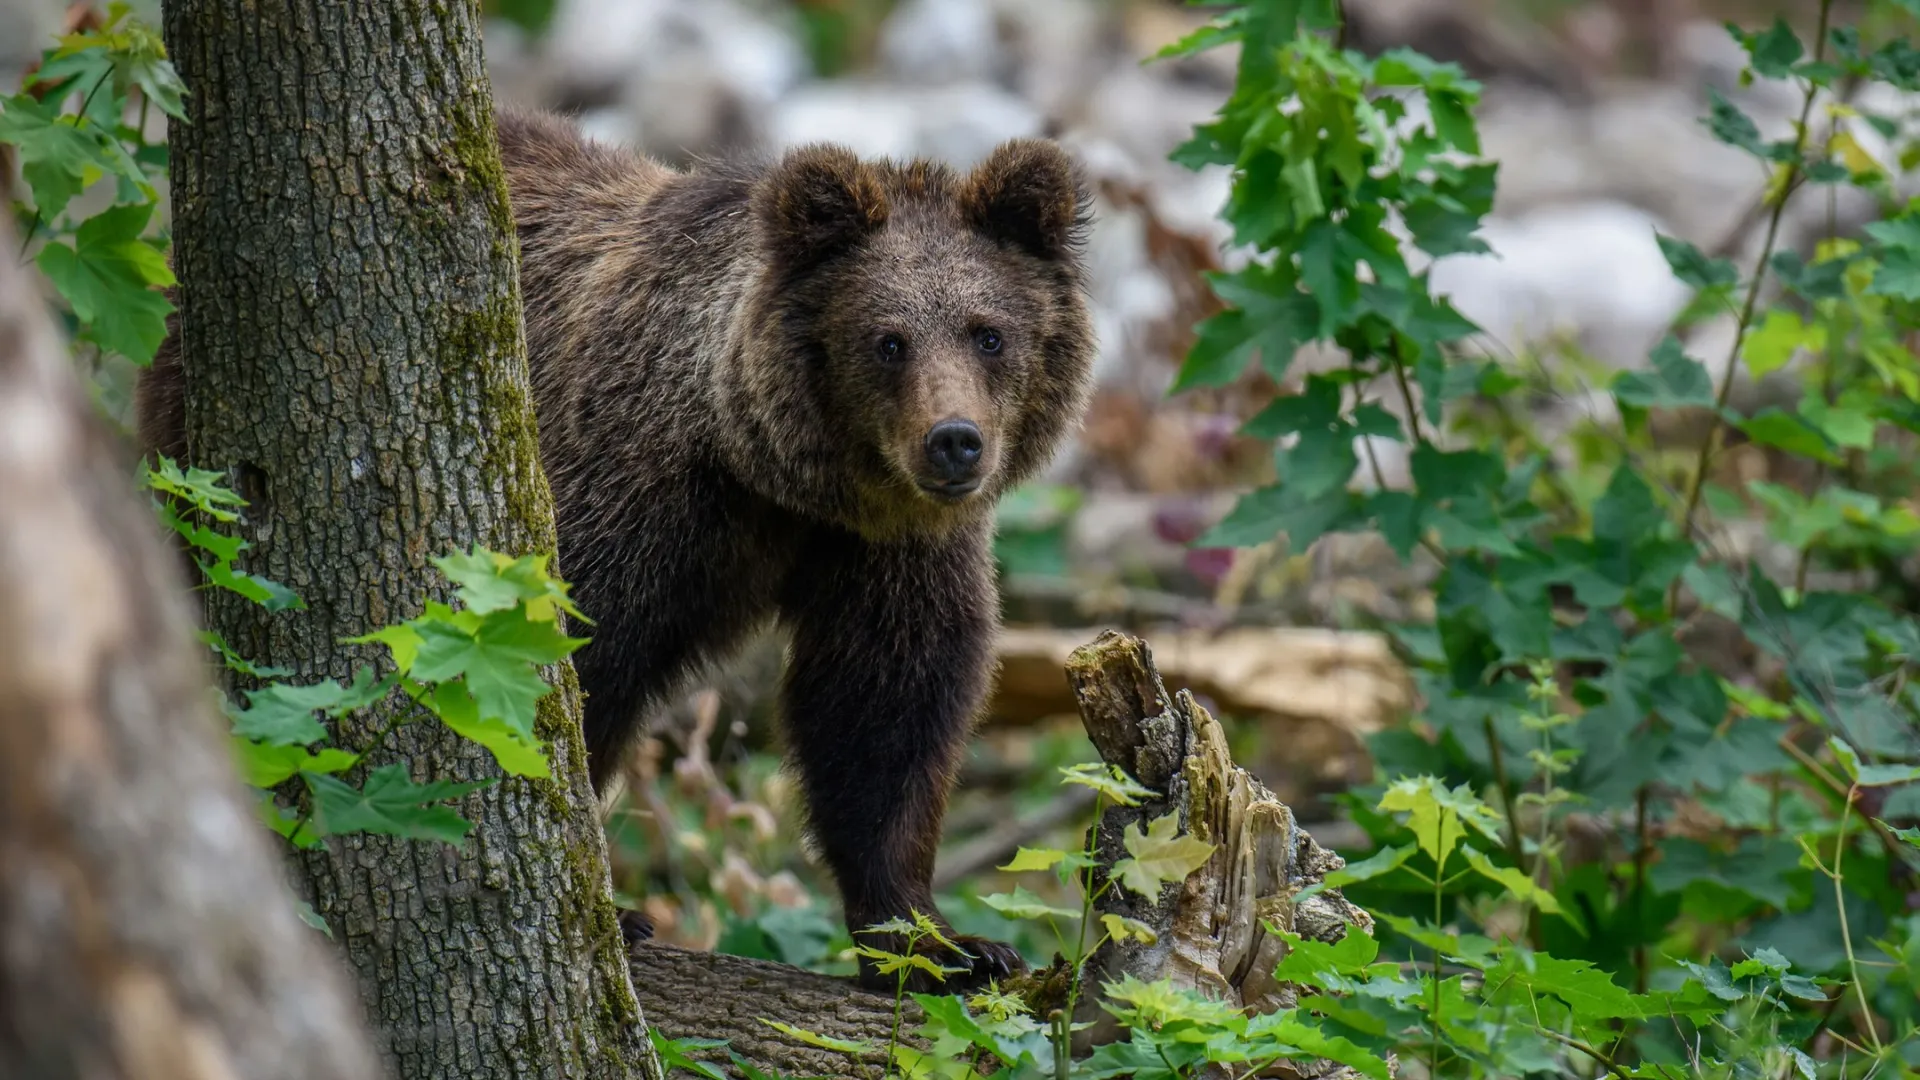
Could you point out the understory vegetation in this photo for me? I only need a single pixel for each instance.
(1657, 813)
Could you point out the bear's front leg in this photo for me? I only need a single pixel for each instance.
(892, 655)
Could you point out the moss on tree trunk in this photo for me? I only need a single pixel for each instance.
(351, 341)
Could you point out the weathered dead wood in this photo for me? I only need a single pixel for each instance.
(1209, 926)
(145, 929)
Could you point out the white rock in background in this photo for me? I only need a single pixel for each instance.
(958, 123)
(26, 28)
(1591, 269)
(691, 73)
(941, 41)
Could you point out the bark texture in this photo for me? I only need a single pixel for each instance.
(350, 336)
(145, 928)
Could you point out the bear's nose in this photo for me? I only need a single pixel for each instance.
(953, 449)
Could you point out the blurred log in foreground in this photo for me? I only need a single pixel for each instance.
(1209, 925)
(144, 928)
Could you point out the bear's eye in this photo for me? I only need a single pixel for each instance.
(891, 347)
(988, 340)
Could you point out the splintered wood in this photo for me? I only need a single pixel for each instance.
(1211, 927)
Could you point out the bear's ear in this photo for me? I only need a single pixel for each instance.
(1027, 193)
(817, 201)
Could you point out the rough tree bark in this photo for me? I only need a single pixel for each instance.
(350, 332)
(145, 926)
(1209, 926)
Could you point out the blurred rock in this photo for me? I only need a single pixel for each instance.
(957, 123)
(26, 28)
(939, 41)
(1589, 270)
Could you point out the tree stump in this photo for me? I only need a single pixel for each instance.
(1211, 927)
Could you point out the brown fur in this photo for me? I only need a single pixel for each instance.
(727, 446)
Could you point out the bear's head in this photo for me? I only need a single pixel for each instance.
(915, 340)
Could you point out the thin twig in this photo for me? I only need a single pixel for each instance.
(1709, 444)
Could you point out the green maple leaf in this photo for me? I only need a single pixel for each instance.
(1677, 380)
(1870, 775)
(1159, 856)
(1515, 882)
(1773, 427)
(1693, 267)
(1773, 50)
(1588, 990)
(1310, 1039)
(488, 581)
(1439, 817)
(518, 753)
(1120, 928)
(1269, 314)
(497, 655)
(281, 714)
(1033, 859)
(57, 158)
(1769, 346)
(264, 765)
(391, 804)
(108, 277)
(1023, 904)
(1110, 781)
(1898, 276)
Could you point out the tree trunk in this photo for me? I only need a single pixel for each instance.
(353, 359)
(145, 929)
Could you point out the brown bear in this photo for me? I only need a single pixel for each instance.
(794, 391)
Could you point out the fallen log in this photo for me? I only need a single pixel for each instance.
(1211, 928)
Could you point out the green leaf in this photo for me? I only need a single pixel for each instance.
(1586, 989)
(1676, 381)
(1773, 427)
(1824, 280)
(519, 753)
(1898, 276)
(824, 1042)
(488, 581)
(392, 805)
(1439, 816)
(312, 918)
(1120, 928)
(1316, 408)
(1021, 903)
(1693, 267)
(58, 158)
(268, 594)
(281, 714)
(497, 659)
(1033, 859)
(1870, 775)
(1159, 856)
(1111, 782)
(673, 1054)
(1310, 1039)
(1769, 346)
(264, 765)
(1269, 314)
(1731, 126)
(1384, 861)
(1774, 50)
(108, 275)
(1517, 883)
